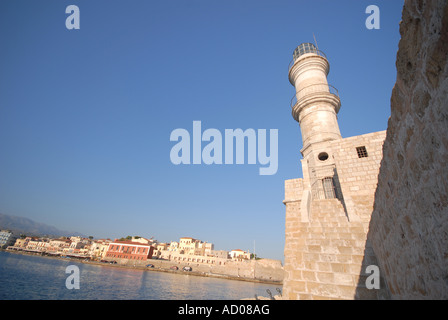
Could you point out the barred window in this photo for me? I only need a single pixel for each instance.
(362, 152)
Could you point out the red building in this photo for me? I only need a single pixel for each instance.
(129, 250)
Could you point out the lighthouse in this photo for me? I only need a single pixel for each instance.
(315, 106)
(316, 103)
(328, 210)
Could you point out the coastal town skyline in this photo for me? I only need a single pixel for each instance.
(84, 246)
(87, 114)
(14, 227)
(186, 255)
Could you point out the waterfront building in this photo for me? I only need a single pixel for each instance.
(21, 243)
(142, 240)
(37, 244)
(161, 246)
(173, 246)
(98, 249)
(76, 244)
(76, 239)
(160, 249)
(7, 238)
(84, 251)
(58, 245)
(192, 246)
(188, 249)
(222, 254)
(129, 250)
(197, 259)
(204, 248)
(187, 245)
(238, 254)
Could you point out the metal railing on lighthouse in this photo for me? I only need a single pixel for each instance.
(313, 89)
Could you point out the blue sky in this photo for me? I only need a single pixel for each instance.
(86, 115)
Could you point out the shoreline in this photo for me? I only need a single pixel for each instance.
(155, 269)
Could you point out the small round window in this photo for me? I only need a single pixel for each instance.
(322, 156)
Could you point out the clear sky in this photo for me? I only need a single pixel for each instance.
(86, 115)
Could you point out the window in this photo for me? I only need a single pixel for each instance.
(322, 156)
(362, 152)
(304, 48)
(329, 188)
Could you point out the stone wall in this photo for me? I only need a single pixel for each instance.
(409, 225)
(357, 176)
(260, 270)
(263, 269)
(326, 247)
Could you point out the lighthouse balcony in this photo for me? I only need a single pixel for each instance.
(298, 53)
(314, 90)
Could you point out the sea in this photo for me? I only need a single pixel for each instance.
(28, 277)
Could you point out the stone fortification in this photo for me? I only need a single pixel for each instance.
(389, 204)
(328, 210)
(409, 226)
(326, 247)
(264, 270)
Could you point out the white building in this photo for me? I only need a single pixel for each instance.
(7, 238)
(239, 254)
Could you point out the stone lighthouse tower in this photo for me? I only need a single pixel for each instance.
(315, 106)
(328, 210)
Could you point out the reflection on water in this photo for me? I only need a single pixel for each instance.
(33, 277)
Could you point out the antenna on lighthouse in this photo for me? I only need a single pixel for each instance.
(317, 47)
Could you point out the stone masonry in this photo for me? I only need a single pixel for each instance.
(409, 225)
(326, 248)
(258, 270)
(328, 211)
(380, 198)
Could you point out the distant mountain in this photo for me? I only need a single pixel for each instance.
(32, 228)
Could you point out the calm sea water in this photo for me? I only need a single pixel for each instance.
(39, 278)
